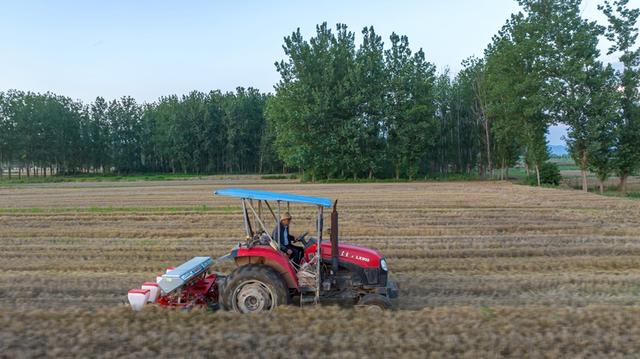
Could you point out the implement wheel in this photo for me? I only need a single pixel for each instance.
(254, 288)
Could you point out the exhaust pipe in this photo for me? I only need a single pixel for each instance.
(334, 238)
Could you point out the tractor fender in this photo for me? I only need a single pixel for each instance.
(267, 256)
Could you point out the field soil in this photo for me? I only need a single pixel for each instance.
(486, 269)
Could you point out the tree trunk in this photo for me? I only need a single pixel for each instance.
(397, 172)
(601, 183)
(489, 164)
(583, 169)
(623, 183)
(481, 98)
(538, 175)
(370, 173)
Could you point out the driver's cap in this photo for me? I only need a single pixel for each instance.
(285, 215)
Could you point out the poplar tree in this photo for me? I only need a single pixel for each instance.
(622, 31)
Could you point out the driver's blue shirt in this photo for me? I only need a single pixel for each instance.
(286, 236)
(281, 235)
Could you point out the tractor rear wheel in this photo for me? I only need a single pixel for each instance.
(254, 288)
(376, 301)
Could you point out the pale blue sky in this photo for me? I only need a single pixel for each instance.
(147, 49)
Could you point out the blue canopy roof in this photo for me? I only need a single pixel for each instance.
(272, 196)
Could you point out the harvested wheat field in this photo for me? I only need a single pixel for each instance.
(486, 269)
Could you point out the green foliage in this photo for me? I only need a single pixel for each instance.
(519, 79)
(108, 177)
(197, 133)
(208, 133)
(460, 141)
(410, 121)
(622, 32)
(549, 175)
(450, 177)
(314, 110)
(586, 92)
(340, 112)
(511, 86)
(279, 177)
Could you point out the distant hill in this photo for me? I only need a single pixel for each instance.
(558, 150)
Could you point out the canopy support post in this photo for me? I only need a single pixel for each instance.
(271, 210)
(318, 255)
(278, 225)
(245, 216)
(274, 244)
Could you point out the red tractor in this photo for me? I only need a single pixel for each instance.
(265, 277)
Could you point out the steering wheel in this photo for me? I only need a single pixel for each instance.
(301, 237)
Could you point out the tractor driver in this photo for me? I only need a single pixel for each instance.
(286, 239)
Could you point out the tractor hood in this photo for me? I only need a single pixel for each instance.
(360, 256)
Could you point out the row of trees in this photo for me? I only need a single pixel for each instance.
(197, 133)
(369, 110)
(543, 68)
(342, 110)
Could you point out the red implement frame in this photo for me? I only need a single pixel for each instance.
(201, 291)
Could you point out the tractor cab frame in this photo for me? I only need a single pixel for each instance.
(252, 207)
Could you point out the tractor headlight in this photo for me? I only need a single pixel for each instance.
(383, 265)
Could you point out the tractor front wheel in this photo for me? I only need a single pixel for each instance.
(375, 301)
(254, 288)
